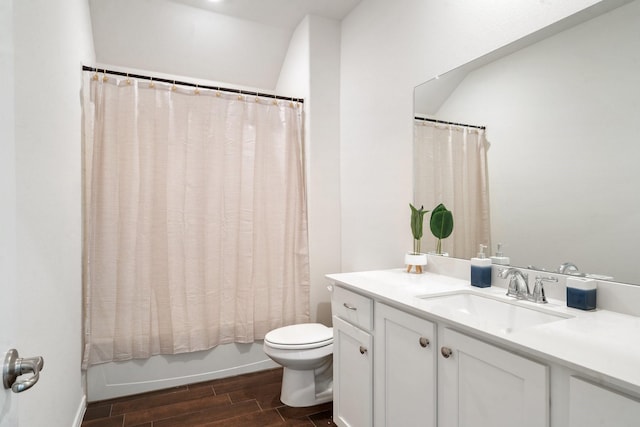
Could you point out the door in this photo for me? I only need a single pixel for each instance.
(592, 405)
(483, 385)
(405, 369)
(8, 401)
(352, 375)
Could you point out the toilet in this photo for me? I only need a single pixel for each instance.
(305, 351)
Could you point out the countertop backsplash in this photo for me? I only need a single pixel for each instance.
(619, 297)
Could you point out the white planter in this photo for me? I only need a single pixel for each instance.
(415, 259)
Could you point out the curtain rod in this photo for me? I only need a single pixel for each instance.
(178, 82)
(444, 122)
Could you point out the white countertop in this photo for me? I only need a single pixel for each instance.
(600, 343)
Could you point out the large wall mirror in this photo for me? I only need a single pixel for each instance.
(562, 117)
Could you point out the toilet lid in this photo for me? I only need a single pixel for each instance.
(304, 334)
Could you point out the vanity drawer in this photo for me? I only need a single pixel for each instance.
(352, 307)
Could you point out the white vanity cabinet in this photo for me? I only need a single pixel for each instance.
(352, 359)
(591, 405)
(426, 374)
(405, 369)
(482, 385)
(402, 361)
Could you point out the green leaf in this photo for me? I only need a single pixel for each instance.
(417, 219)
(441, 223)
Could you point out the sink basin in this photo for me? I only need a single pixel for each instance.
(486, 312)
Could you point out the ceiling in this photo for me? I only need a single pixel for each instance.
(277, 13)
(235, 42)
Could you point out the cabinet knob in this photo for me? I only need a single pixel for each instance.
(363, 349)
(423, 342)
(446, 352)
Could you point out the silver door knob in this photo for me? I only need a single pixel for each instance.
(15, 366)
(423, 342)
(446, 352)
(363, 349)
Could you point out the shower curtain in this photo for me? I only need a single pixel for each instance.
(450, 167)
(195, 222)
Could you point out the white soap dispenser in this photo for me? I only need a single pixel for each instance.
(481, 270)
(499, 257)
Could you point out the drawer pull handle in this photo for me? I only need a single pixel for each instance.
(446, 352)
(363, 350)
(349, 306)
(423, 342)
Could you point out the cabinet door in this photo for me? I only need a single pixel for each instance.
(482, 385)
(352, 375)
(405, 363)
(591, 405)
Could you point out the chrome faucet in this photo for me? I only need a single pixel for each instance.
(518, 283)
(570, 269)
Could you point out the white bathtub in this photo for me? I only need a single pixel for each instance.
(115, 379)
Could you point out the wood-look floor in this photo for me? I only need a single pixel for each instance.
(244, 401)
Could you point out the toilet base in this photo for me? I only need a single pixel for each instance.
(302, 388)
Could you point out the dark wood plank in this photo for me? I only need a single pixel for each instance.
(247, 381)
(142, 402)
(323, 419)
(210, 415)
(269, 418)
(289, 412)
(105, 422)
(97, 411)
(267, 395)
(176, 409)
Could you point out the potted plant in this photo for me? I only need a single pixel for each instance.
(441, 225)
(416, 258)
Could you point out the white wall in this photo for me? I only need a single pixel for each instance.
(51, 39)
(387, 49)
(312, 70)
(172, 38)
(8, 400)
(563, 155)
(323, 173)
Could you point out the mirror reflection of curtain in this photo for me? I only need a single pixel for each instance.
(450, 167)
(195, 219)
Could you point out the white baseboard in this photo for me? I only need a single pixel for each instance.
(82, 408)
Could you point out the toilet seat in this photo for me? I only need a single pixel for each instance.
(300, 337)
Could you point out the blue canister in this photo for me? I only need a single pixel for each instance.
(481, 270)
(581, 293)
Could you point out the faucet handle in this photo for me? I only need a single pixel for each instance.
(518, 282)
(537, 295)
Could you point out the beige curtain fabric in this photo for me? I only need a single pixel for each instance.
(195, 218)
(450, 167)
